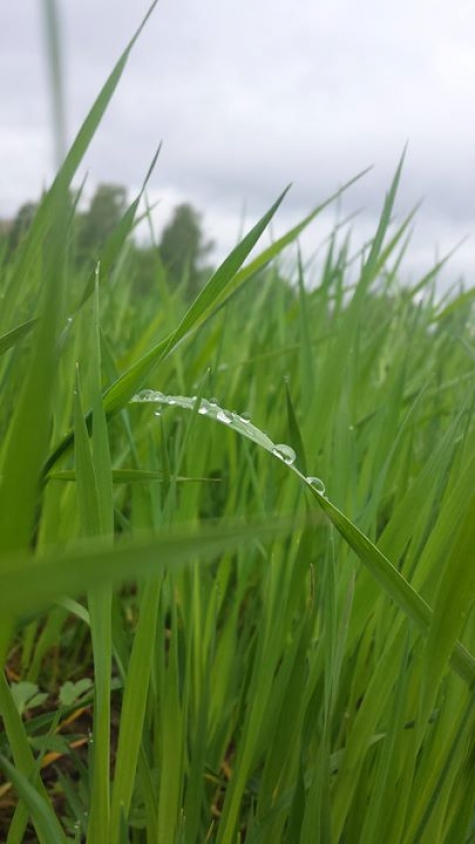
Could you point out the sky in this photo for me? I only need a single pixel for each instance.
(249, 97)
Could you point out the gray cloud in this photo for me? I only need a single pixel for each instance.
(248, 97)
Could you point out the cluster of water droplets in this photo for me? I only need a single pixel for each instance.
(78, 827)
(238, 421)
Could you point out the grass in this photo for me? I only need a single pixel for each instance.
(218, 628)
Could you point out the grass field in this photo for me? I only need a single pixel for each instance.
(243, 618)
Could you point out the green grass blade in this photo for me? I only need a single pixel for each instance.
(53, 53)
(453, 601)
(25, 445)
(132, 476)
(15, 335)
(134, 705)
(26, 586)
(395, 585)
(24, 765)
(46, 824)
(118, 237)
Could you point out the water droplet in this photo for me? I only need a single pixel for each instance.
(224, 416)
(244, 417)
(285, 453)
(213, 402)
(144, 395)
(171, 400)
(157, 412)
(204, 407)
(317, 484)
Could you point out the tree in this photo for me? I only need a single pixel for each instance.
(22, 222)
(183, 249)
(145, 269)
(94, 226)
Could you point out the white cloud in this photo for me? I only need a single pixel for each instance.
(248, 97)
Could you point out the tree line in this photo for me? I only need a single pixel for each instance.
(183, 248)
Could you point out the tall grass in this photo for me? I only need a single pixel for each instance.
(246, 619)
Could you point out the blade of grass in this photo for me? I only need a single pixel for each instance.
(46, 824)
(94, 485)
(118, 237)
(15, 335)
(27, 587)
(42, 813)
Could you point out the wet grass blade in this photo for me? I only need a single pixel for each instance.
(392, 581)
(395, 585)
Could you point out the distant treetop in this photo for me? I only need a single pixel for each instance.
(184, 250)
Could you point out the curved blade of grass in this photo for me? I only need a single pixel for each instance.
(124, 388)
(395, 585)
(132, 476)
(462, 738)
(45, 821)
(15, 335)
(431, 275)
(454, 598)
(459, 303)
(391, 580)
(391, 246)
(258, 263)
(25, 445)
(27, 586)
(21, 751)
(372, 264)
(289, 237)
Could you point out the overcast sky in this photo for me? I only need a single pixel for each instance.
(250, 96)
